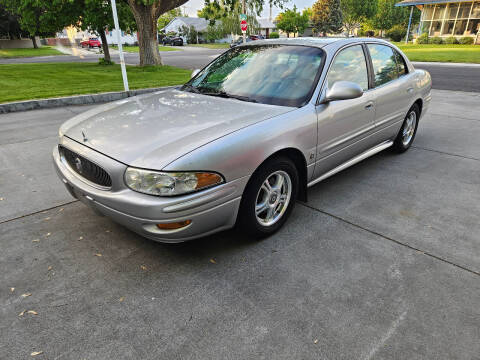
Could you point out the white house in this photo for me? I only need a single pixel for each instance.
(266, 26)
(76, 36)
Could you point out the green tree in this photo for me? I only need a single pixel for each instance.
(165, 19)
(41, 17)
(355, 12)
(9, 26)
(389, 15)
(96, 16)
(326, 17)
(292, 21)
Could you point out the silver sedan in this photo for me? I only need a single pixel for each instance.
(244, 138)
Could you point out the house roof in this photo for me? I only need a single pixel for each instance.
(425, 2)
(266, 23)
(200, 24)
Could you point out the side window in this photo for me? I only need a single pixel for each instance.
(401, 66)
(384, 63)
(349, 65)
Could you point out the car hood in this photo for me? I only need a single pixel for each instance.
(151, 131)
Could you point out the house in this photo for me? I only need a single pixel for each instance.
(266, 26)
(199, 24)
(72, 35)
(445, 18)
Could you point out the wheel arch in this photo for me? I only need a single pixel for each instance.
(419, 103)
(300, 162)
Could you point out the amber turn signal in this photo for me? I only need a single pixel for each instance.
(207, 179)
(174, 226)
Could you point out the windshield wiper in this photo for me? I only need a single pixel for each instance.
(191, 88)
(227, 95)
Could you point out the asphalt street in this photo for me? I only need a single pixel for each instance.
(383, 262)
(462, 77)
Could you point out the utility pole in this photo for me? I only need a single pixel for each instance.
(120, 49)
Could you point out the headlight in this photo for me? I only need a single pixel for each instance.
(169, 183)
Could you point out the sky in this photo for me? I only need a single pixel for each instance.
(192, 6)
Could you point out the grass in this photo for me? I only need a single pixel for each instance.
(18, 53)
(441, 53)
(37, 81)
(134, 49)
(212, 46)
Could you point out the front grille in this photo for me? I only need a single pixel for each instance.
(85, 168)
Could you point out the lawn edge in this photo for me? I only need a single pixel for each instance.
(75, 100)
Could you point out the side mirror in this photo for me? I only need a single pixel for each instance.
(194, 73)
(343, 90)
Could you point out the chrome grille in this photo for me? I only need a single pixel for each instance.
(85, 168)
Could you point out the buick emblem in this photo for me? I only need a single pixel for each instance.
(78, 164)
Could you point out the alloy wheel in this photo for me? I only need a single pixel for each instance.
(273, 198)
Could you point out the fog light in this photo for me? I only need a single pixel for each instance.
(174, 226)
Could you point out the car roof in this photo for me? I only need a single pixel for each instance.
(319, 42)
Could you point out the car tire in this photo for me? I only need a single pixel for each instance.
(264, 209)
(407, 132)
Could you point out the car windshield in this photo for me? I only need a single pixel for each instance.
(93, 39)
(269, 74)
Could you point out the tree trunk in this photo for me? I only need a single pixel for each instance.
(146, 18)
(34, 41)
(106, 51)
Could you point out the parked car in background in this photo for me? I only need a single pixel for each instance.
(239, 41)
(91, 43)
(244, 138)
(174, 41)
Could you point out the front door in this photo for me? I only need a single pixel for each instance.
(344, 125)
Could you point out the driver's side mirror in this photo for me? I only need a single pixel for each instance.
(194, 73)
(343, 90)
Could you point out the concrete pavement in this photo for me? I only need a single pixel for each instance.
(383, 262)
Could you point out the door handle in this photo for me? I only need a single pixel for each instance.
(369, 106)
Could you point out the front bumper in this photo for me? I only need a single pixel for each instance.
(210, 210)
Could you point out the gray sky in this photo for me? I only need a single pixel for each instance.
(192, 6)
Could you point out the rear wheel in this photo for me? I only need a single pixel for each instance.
(407, 132)
(269, 198)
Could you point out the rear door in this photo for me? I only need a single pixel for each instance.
(344, 126)
(393, 90)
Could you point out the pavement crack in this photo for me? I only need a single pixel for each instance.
(446, 153)
(38, 212)
(436, 257)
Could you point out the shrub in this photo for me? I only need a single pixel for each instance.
(273, 35)
(466, 40)
(423, 39)
(396, 33)
(436, 40)
(102, 61)
(451, 40)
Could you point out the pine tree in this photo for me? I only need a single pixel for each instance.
(327, 17)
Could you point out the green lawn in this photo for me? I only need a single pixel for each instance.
(212, 46)
(442, 53)
(16, 53)
(134, 49)
(36, 81)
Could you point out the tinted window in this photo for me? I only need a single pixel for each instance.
(384, 63)
(270, 74)
(349, 65)
(401, 66)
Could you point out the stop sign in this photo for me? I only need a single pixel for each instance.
(243, 25)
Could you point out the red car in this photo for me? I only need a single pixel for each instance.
(91, 43)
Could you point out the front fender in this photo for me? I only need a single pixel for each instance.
(240, 153)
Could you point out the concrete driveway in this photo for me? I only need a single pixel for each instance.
(383, 262)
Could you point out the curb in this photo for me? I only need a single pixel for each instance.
(451, 64)
(74, 100)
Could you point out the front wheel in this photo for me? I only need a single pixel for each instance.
(407, 132)
(269, 198)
